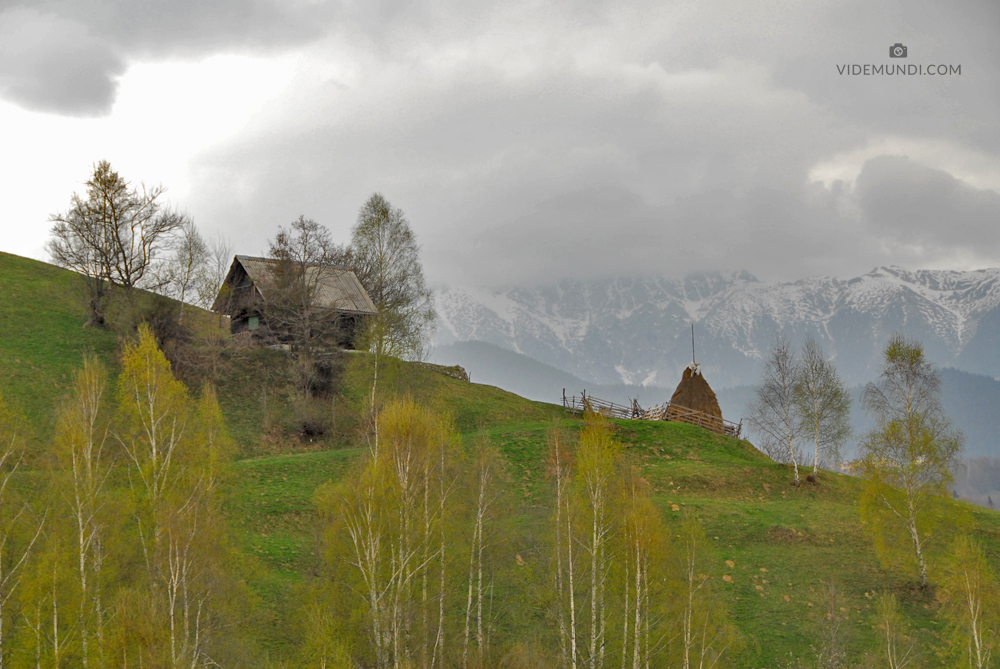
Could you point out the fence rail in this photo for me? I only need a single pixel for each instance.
(665, 411)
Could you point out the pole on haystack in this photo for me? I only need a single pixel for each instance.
(693, 361)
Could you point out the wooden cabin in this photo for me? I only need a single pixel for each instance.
(251, 282)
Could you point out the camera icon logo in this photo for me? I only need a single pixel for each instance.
(897, 50)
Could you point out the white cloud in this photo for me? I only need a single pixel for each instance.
(975, 167)
(165, 112)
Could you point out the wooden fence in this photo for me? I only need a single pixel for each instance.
(243, 339)
(664, 411)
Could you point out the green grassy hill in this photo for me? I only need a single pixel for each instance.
(41, 338)
(772, 546)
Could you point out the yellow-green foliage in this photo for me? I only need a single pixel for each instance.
(276, 593)
(128, 563)
(154, 411)
(971, 598)
(906, 460)
(896, 649)
(624, 591)
(935, 519)
(386, 537)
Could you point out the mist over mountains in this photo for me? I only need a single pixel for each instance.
(637, 331)
(972, 401)
(627, 339)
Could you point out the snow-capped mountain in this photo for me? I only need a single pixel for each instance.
(637, 331)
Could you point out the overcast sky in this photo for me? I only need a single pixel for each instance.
(526, 141)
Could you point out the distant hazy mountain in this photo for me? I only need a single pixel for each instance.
(635, 331)
(972, 401)
(495, 366)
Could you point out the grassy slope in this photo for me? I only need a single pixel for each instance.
(41, 338)
(784, 542)
(753, 517)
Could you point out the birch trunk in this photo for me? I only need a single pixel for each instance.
(56, 640)
(639, 608)
(439, 639)
(424, 629)
(559, 584)
(571, 589)
(625, 614)
(468, 601)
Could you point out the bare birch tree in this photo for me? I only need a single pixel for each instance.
(213, 272)
(972, 603)
(705, 635)
(642, 558)
(189, 262)
(896, 648)
(393, 524)
(81, 440)
(772, 411)
(597, 460)
(831, 652)
(822, 403)
(560, 465)
(190, 569)
(14, 517)
(487, 470)
(385, 257)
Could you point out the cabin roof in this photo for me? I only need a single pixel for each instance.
(339, 288)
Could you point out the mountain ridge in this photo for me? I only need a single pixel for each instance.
(972, 401)
(635, 331)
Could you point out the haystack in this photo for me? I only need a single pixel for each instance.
(694, 401)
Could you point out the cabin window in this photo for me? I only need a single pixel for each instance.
(253, 323)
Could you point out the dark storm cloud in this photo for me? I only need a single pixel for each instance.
(530, 141)
(603, 233)
(912, 203)
(54, 65)
(555, 168)
(65, 57)
(159, 27)
(82, 46)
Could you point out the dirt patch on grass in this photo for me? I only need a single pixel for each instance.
(778, 533)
